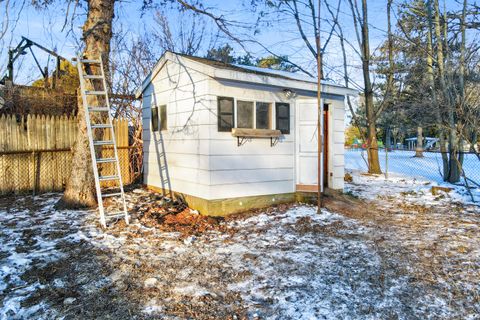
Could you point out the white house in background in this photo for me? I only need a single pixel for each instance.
(231, 138)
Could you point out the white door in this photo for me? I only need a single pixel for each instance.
(307, 142)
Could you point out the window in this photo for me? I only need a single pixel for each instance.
(282, 111)
(163, 117)
(225, 114)
(263, 115)
(154, 119)
(245, 114)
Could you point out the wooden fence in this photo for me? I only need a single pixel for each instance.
(35, 152)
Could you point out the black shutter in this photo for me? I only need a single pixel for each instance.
(163, 117)
(154, 119)
(282, 115)
(225, 114)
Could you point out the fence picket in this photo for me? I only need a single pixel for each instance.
(2, 148)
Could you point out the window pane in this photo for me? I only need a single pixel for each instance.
(225, 114)
(283, 125)
(245, 114)
(225, 122)
(282, 111)
(225, 105)
(154, 119)
(163, 117)
(263, 115)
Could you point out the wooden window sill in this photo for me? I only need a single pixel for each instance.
(256, 133)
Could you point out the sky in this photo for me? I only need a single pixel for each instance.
(281, 36)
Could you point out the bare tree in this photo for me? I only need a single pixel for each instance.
(361, 25)
(188, 35)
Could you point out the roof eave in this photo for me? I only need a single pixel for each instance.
(239, 76)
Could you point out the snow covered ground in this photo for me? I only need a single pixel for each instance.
(418, 174)
(404, 162)
(385, 258)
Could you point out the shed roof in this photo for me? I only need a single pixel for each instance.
(264, 72)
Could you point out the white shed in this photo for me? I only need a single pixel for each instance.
(231, 138)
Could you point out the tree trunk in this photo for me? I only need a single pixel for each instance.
(444, 153)
(372, 144)
(419, 149)
(388, 138)
(436, 104)
(455, 145)
(473, 141)
(97, 33)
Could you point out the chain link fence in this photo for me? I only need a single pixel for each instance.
(404, 162)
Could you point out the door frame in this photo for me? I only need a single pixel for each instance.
(326, 142)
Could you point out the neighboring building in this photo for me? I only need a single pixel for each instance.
(231, 138)
(429, 143)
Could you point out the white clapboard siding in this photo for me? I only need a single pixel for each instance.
(240, 176)
(251, 189)
(252, 161)
(185, 142)
(186, 160)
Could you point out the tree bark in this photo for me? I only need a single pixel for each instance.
(473, 140)
(453, 174)
(372, 144)
(436, 104)
(97, 33)
(388, 138)
(419, 149)
(455, 143)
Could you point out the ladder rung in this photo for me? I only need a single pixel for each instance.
(98, 109)
(95, 93)
(102, 142)
(101, 126)
(106, 160)
(106, 195)
(90, 61)
(119, 214)
(106, 178)
(92, 76)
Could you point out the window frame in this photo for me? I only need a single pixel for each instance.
(272, 118)
(154, 119)
(221, 128)
(277, 117)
